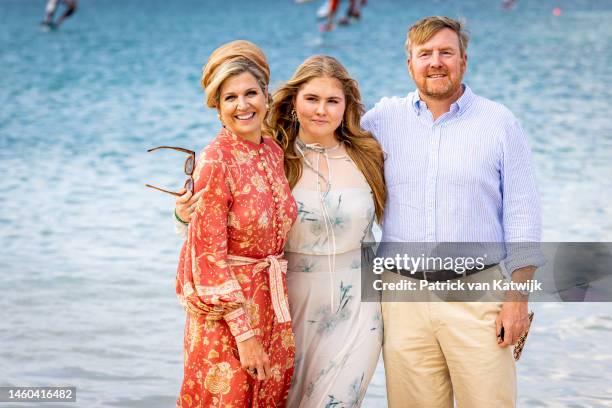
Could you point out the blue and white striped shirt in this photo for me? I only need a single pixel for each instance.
(466, 177)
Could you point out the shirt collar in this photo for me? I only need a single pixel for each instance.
(416, 102)
(459, 106)
(464, 100)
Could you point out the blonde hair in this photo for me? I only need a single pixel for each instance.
(360, 145)
(427, 27)
(231, 59)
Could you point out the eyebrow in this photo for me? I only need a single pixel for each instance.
(419, 50)
(234, 93)
(317, 96)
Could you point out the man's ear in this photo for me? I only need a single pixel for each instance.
(409, 66)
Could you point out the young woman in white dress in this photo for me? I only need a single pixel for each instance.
(335, 170)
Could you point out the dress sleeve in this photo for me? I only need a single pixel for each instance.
(209, 286)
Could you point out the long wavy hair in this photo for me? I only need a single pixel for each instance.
(360, 145)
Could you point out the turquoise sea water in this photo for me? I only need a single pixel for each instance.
(88, 255)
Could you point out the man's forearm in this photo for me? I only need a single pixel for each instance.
(523, 274)
(519, 276)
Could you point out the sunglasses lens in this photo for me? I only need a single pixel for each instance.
(189, 166)
(189, 185)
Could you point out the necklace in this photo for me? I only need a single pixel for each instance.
(315, 147)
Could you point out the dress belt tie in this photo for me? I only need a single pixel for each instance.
(277, 266)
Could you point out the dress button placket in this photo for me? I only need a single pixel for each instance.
(276, 224)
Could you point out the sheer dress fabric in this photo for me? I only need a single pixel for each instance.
(246, 211)
(338, 337)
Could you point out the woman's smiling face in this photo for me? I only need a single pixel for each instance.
(242, 105)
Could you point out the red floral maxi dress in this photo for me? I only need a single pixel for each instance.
(231, 277)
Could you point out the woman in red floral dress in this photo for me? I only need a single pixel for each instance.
(239, 348)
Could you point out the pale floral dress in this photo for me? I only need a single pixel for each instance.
(338, 337)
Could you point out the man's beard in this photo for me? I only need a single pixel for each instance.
(437, 92)
(444, 92)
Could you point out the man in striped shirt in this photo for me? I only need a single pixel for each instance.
(458, 169)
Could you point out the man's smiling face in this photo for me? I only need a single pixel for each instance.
(437, 66)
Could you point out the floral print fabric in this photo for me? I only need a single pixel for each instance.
(245, 211)
(338, 337)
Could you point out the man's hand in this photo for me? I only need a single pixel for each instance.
(514, 315)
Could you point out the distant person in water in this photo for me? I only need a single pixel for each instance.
(353, 11)
(508, 4)
(71, 6)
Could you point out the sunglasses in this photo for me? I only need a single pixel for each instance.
(189, 167)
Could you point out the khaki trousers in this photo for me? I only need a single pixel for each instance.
(437, 352)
